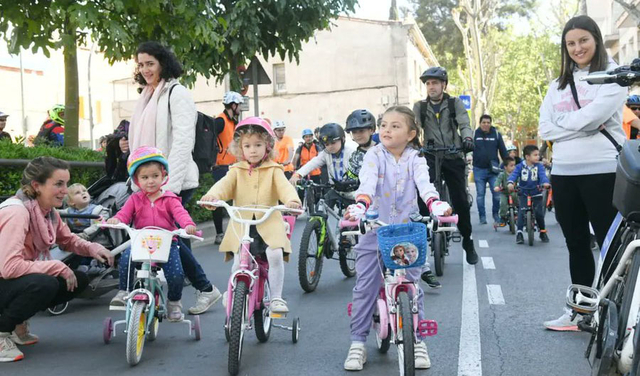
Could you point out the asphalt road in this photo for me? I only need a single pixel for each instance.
(503, 338)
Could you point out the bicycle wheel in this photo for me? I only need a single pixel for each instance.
(348, 256)
(630, 277)
(530, 232)
(439, 250)
(236, 329)
(512, 220)
(309, 259)
(404, 317)
(603, 361)
(136, 332)
(261, 316)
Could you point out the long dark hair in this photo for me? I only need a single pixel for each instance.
(170, 66)
(600, 58)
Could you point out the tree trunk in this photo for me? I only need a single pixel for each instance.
(583, 8)
(71, 87)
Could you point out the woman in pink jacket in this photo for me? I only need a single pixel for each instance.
(29, 280)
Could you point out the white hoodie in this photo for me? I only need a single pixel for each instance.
(579, 148)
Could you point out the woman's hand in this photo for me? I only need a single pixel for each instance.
(113, 221)
(209, 198)
(191, 229)
(72, 281)
(104, 256)
(293, 205)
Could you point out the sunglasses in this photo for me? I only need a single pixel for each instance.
(634, 108)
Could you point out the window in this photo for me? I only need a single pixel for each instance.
(280, 81)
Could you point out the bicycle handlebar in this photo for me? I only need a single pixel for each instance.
(233, 211)
(179, 232)
(447, 149)
(365, 225)
(625, 75)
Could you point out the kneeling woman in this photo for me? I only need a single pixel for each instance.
(29, 280)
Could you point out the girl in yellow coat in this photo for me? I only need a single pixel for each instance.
(257, 180)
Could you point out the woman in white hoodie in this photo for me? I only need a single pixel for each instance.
(584, 151)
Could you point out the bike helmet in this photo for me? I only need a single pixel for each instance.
(511, 148)
(56, 113)
(142, 155)
(360, 119)
(257, 121)
(331, 132)
(307, 132)
(633, 99)
(232, 97)
(278, 124)
(435, 72)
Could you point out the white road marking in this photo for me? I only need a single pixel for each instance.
(487, 263)
(470, 354)
(495, 294)
(483, 244)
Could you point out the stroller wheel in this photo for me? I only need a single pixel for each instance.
(58, 309)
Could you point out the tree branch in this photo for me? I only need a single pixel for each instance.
(632, 10)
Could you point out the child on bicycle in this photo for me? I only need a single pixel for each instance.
(361, 124)
(390, 173)
(257, 180)
(530, 175)
(501, 186)
(153, 206)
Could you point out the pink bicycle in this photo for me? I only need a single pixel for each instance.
(248, 288)
(401, 247)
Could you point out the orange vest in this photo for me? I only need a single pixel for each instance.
(627, 117)
(224, 139)
(308, 154)
(282, 151)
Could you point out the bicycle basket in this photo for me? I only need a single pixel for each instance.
(403, 246)
(151, 245)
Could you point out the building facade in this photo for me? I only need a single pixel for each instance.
(619, 29)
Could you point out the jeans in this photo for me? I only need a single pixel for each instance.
(191, 267)
(538, 211)
(21, 298)
(482, 176)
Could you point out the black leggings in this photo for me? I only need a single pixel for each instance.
(23, 297)
(579, 200)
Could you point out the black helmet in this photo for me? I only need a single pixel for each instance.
(435, 72)
(331, 132)
(360, 119)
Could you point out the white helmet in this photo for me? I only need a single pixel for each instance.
(278, 124)
(511, 147)
(232, 97)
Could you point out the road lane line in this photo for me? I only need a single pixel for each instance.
(483, 244)
(470, 354)
(495, 294)
(487, 263)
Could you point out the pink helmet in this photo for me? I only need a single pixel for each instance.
(260, 122)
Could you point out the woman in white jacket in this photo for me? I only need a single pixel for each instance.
(165, 117)
(584, 159)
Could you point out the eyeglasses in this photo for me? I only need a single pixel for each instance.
(634, 108)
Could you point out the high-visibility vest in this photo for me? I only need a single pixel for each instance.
(307, 154)
(282, 151)
(225, 158)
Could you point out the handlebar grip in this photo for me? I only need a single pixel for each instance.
(79, 216)
(199, 233)
(450, 219)
(346, 223)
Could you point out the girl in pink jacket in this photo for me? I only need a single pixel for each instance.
(153, 206)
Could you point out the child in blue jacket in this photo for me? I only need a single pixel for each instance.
(531, 177)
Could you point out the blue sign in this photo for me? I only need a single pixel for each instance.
(466, 99)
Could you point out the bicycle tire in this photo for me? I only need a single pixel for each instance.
(603, 361)
(627, 297)
(635, 368)
(406, 356)
(309, 279)
(439, 244)
(348, 258)
(512, 220)
(530, 232)
(136, 332)
(261, 316)
(236, 330)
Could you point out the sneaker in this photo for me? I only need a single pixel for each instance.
(8, 350)
(120, 299)
(431, 280)
(564, 323)
(224, 299)
(219, 238)
(544, 237)
(22, 336)
(483, 220)
(278, 305)
(472, 256)
(519, 238)
(422, 360)
(356, 358)
(175, 311)
(204, 301)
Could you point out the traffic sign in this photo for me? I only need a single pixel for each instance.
(466, 99)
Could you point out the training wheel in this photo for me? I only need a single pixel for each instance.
(295, 330)
(226, 330)
(195, 326)
(107, 330)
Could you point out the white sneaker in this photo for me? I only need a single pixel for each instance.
(22, 336)
(356, 358)
(278, 305)
(120, 299)
(218, 239)
(204, 301)
(8, 350)
(563, 323)
(174, 310)
(422, 360)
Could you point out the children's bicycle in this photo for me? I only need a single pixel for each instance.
(321, 239)
(512, 215)
(249, 295)
(395, 319)
(146, 305)
(529, 217)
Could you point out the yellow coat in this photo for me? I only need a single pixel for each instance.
(265, 186)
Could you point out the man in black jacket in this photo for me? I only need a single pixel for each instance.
(488, 142)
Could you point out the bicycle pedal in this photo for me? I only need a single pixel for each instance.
(427, 328)
(583, 299)
(456, 238)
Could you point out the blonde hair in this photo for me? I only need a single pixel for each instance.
(73, 188)
(410, 118)
(39, 170)
(249, 130)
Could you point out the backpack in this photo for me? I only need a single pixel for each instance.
(205, 149)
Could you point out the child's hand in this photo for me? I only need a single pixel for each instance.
(496, 189)
(441, 208)
(191, 229)
(295, 178)
(209, 198)
(355, 212)
(293, 205)
(511, 187)
(546, 185)
(113, 221)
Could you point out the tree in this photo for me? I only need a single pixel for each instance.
(631, 9)
(211, 38)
